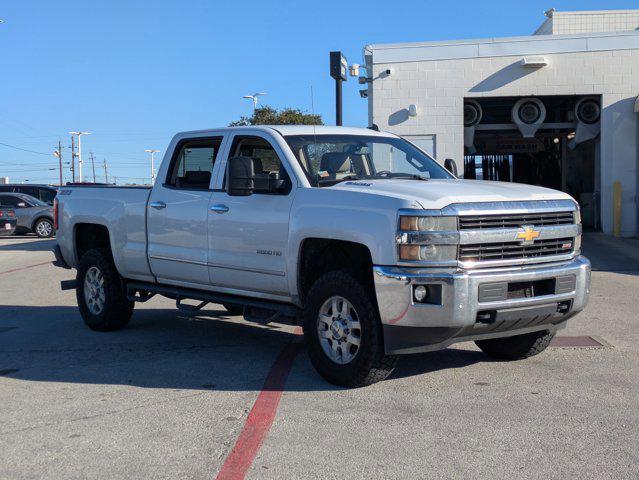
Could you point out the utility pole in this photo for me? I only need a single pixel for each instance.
(92, 165)
(106, 174)
(79, 134)
(152, 151)
(58, 153)
(73, 158)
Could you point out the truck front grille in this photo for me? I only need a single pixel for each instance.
(479, 222)
(479, 252)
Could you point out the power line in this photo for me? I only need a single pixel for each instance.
(23, 149)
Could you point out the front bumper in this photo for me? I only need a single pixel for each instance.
(462, 312)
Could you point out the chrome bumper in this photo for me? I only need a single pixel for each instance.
(454, 316)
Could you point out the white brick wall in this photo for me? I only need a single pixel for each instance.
(438, 88)
(565, 23)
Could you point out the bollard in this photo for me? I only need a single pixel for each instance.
(616, 208)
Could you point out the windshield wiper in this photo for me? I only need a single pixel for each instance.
(338, 180)
(408, 176)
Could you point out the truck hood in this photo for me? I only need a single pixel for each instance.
(436, 194)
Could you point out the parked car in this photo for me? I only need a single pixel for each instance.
(45, 193)
(357, 235)
(8, 222)
(33, 215)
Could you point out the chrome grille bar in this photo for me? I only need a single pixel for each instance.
(480, 222)
(511, 250)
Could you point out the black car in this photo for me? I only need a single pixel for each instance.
(8, 221)
(45, 193)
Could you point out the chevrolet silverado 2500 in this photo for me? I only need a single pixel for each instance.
(357, 235)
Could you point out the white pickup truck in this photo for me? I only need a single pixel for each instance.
(357, 235)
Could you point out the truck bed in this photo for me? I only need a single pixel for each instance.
(122, 210)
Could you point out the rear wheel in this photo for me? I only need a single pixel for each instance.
(343, 332)
(43, 228)
(517, 347)
(100, 292)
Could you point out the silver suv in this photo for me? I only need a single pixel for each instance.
(33, 215)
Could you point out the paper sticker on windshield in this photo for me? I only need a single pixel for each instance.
(322, 173)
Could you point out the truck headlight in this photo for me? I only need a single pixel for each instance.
(422, 238)
(410, 223)
(412, 253)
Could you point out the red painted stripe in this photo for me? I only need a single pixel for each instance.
(261, 417)
(577, 342)
(24, 268)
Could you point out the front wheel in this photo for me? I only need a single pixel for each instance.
(43, 228)
(343, 332)
(517, 347)
(101, 296)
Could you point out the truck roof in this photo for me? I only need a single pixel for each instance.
(300, 130)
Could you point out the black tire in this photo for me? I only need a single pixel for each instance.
(370, 364)
(517, 347)
(234, 310)
(117, 308)
(47, 232)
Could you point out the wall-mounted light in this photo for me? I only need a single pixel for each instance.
(412, 110)
(534, 62)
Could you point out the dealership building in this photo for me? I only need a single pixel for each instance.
(557, 108)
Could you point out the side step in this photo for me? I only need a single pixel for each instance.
(141, 292)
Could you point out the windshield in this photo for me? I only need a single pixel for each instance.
(329, 159)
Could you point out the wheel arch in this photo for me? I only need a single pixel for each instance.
(39, 217)
(318, 256)
(87, 236)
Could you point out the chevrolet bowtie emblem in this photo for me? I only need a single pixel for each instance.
(527, 234)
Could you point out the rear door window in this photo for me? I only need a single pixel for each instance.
(192, 164)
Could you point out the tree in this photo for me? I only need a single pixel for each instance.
(270, 116)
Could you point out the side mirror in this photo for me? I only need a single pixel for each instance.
(240, 177)
(451, 166)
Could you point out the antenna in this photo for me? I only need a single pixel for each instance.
(314, 132)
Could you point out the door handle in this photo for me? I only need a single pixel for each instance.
(157, 205)
(219, 208)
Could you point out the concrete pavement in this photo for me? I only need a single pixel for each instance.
(168, 396)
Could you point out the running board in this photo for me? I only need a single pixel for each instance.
(140, 292)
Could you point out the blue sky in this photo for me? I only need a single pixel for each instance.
(133, 72)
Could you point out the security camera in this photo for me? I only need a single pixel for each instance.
(363, 93)
(386, 73)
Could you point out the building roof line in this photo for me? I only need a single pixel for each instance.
(522, 38)
(503, 47)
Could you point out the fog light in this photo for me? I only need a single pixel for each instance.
(420, 293)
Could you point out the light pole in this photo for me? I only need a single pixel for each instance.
(152, 151)
(254, 97)
(79, 134)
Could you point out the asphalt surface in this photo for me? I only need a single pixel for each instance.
(169, 396)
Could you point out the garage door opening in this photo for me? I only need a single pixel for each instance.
(546, 141)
